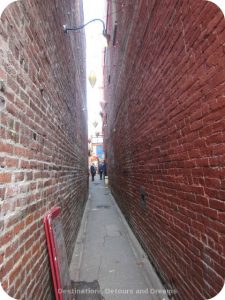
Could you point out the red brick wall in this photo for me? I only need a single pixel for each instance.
(166, 136)
(43, 138)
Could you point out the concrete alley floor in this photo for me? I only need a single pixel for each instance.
(107, 252)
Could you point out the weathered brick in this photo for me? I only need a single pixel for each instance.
(5, 177)
(165, 133)
(43, 139)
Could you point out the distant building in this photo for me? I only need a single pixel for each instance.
(96, 150)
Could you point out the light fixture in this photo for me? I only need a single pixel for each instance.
(92, 78)
(95, 124)
(66, 28)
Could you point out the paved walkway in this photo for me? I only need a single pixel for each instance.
(107, 252)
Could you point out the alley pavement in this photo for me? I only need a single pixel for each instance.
(108, 255)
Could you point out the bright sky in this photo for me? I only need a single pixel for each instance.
(95, 49)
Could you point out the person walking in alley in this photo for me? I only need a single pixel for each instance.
(104, 169)
(100, 170)
(93, 172)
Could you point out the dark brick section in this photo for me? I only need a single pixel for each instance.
(43, 144)
(165, 136)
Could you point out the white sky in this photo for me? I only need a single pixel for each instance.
(94, 40)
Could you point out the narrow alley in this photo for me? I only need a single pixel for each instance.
(107, 251)
(112, 150)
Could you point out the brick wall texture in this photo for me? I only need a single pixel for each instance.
(165, 136)
(43, 138)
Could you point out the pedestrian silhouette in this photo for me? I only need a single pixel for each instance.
(93, 172)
